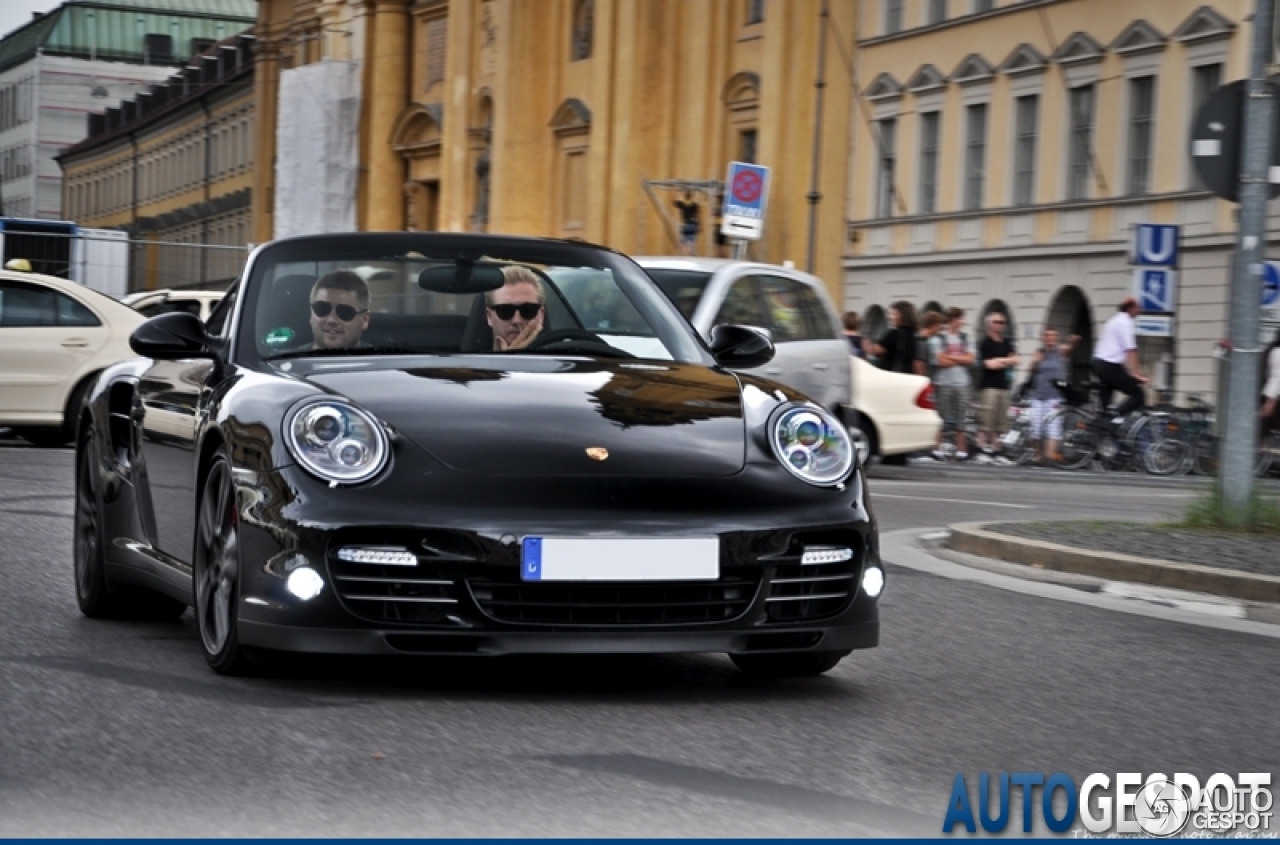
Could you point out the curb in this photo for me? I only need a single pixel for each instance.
(972, 538)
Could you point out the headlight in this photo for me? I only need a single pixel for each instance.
(812, 445)
(336, 441)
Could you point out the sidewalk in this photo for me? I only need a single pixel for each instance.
(1231, 565)
(922, 468)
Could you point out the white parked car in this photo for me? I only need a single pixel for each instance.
(152, 302)
(55, 337)
(793, 307)
(895, 412)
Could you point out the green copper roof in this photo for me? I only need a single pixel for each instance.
(116, 30)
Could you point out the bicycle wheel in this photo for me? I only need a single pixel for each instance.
(1206, 455)
(1268, 454)
(1016, 442)
(1079, 437)
(1167, 449)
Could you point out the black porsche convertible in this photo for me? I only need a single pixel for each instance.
(429, 444)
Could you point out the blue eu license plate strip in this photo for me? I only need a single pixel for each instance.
(620, 559)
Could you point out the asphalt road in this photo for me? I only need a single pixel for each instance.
(119, 729)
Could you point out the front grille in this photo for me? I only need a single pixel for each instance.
(803, 592)
(503, 596)
(394, 593)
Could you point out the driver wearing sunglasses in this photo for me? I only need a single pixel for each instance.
(515, 310)
(339, 310)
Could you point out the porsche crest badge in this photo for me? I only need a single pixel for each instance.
(597, 453)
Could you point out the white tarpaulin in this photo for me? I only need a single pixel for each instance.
(317, 149)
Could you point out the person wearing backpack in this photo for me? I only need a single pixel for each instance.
(952, 356)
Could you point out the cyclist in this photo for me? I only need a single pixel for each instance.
(1115, 361)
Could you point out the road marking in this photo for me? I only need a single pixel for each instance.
(901, 548)
(953, 501)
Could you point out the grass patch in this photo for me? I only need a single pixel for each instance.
(1210, 513)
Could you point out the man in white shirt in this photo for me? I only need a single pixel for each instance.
(1115, 359)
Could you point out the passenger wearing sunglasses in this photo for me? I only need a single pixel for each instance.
(339, 310)
(515, 310)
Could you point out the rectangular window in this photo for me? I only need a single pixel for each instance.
(1205, 79)
(157, 48)
(747, 140)
(983, 5)
(437, 34)
(1026, 131)
(1141, 113)
(929, 162)
(887, 131)
(892, 16)
(937, 11)
(975, 156)
(1080, 153)
(755, 11)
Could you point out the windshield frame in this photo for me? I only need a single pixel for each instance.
(670, 326)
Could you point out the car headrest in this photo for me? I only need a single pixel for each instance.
(477, 336)
(286, 321)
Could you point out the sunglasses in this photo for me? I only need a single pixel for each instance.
(508, 310)
(346, 313)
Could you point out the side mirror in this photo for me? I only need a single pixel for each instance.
(740, 347)
(174, 336)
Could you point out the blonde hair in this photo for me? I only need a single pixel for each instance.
(516, 274)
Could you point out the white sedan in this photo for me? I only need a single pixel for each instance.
(55, 337)
(895, 413)
(152, 302)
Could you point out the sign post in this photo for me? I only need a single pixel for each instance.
(1154, 254)
(746, 197)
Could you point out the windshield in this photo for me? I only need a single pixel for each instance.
(454, 294)
(683, 287)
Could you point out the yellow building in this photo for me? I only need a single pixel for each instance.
(173, 167)
(548, 117)
(1004, 151)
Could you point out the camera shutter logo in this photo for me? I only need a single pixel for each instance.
(1161, 807)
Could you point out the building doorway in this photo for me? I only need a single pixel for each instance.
(1070, 313)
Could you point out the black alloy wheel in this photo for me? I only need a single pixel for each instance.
(94, 596)
(802, 665)
(216, 573)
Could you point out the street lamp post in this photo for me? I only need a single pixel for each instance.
(1241, 428)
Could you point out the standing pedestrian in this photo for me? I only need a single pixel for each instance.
(998, 359)
(1115, 361)
(896, 349)
(930, 326)
(1048, 369)
(952, 356)
(852, 324)
(1270, 410)
(690, 225)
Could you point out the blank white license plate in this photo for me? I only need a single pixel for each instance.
(620, 559)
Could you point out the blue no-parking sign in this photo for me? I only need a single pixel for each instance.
(1154, 245)
(746, 194)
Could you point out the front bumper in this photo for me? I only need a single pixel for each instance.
(374, 641)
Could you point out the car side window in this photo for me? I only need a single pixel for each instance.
(217, 322)
(817, 317)
(24, 305)
(788, 319)
(72, 313)
(740, 306)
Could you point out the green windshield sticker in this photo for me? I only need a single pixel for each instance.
(280, 336)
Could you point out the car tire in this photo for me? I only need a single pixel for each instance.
(215, 573)
(802, 665)
(94, 595)
(865, 442)
(51, 437)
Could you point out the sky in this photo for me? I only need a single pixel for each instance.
(14, 13)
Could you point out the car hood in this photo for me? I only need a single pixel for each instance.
(540, 417)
